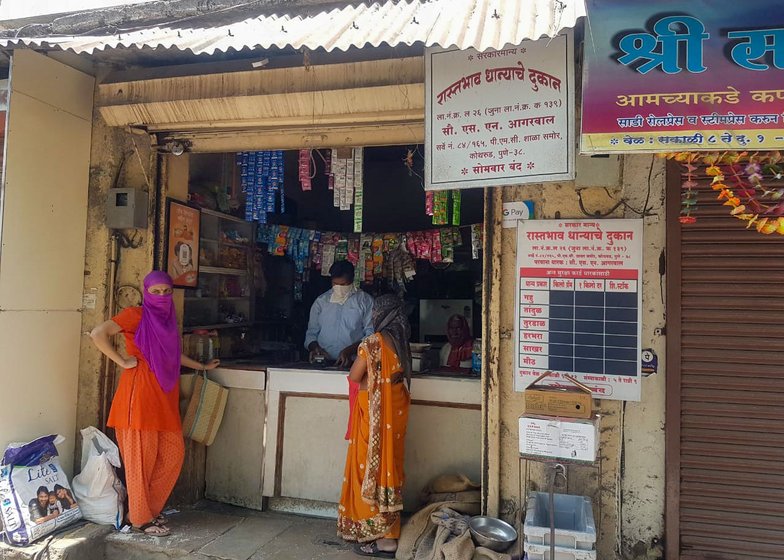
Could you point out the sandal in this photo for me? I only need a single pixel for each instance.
(374, 551)
(161, 520)
(152, 529)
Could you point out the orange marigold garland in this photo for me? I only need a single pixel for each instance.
(738, 177)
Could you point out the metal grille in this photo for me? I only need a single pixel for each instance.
(729, 397)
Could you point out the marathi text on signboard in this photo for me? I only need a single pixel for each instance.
(579, 303)
(501, 117)
(708, 78)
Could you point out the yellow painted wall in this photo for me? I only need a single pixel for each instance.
(43, 245)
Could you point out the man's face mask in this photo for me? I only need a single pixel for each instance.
(340, 294)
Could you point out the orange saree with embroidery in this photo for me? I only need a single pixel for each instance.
(372, 495)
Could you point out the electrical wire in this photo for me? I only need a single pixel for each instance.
(646, 211)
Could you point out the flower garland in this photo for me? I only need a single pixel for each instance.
(738, 177)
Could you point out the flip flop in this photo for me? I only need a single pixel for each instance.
(374, 551)
(158, 532)
(160, 520)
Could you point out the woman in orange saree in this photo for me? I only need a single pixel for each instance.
(372, 495)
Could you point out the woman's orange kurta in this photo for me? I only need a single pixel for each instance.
(372, 495)
(149, 430)
(139, 402)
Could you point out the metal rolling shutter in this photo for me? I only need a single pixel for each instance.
(727, 384)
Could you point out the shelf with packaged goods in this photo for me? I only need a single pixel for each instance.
(223, 216)
(225, 243)
(216, 298)
(226, 271)
(217, 326)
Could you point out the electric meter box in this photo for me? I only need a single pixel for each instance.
(126, 209)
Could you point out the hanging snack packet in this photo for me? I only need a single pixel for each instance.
(327, 259)
(476, 240)
(447, 246)
(429, 201)
(456, 210)
(353, 250)
(435, 240)
(378, 255)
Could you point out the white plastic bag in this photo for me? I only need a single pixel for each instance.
(97, 488)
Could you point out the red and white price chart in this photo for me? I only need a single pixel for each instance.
(579, 304)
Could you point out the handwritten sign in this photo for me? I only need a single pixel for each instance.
(579, 304)
(658, 82)
(500, 117)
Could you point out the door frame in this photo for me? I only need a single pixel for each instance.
(672, 430)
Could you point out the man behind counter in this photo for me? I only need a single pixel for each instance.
(339, 318)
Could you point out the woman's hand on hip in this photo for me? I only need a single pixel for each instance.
(130, 363)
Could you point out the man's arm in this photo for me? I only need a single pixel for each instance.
(314, 327)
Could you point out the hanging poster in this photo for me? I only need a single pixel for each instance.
(678, 75)
(182, 244)
(500, 117)
(579, 304)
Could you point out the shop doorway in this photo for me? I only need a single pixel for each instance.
(725, 421)
(258, 280)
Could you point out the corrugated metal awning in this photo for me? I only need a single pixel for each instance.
(481, 24)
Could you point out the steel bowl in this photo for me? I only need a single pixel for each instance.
(492, 533)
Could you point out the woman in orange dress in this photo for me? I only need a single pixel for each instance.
(372, 495)
(145, 410)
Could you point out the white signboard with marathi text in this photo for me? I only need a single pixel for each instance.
(500, 117)
(579, 304)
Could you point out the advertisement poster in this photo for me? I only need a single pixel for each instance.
(500, 117)
(182, 242)
(677, 75)
(579, 304)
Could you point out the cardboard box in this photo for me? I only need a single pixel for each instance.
(575, 401)
(551, 438)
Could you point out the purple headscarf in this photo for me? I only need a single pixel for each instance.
(158, 337)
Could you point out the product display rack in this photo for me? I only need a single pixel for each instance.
(225, 296)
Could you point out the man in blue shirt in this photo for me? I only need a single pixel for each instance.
(339, 318)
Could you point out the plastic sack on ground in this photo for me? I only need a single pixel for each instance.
(97, 487)
(35, 497)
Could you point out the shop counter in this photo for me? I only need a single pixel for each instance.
(236, 457)
(307, 416)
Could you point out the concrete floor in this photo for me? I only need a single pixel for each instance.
(213, 531)
(208, 531)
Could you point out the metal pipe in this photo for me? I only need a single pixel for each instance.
(557, 469)
(107, 388)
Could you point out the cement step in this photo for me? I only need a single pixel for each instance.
(83, 542)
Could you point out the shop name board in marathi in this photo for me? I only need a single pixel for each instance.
(494, 119)
(642, 66)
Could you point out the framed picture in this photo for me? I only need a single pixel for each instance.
(182, 243)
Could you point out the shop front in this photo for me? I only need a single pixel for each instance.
(255, 257)
(272, 225)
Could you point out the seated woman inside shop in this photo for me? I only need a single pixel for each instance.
(456, 353)
(372, 496)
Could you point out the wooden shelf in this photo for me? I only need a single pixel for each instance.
(216, 326)
(227, 271)
(226, 243)
(223, 216)
(218, 298)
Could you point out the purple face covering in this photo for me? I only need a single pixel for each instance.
(158, 338)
